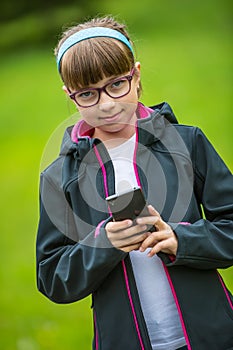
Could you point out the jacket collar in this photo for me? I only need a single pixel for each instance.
(150, 128)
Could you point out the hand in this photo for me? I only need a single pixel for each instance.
(163, 240)
(126, 236)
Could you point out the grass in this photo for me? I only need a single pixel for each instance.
(28, 320)
(191, 70)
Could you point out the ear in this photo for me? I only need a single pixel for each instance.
(65, 89)
(138, 75)
(137, 70)
(137, 66)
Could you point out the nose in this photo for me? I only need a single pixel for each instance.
(106, 102)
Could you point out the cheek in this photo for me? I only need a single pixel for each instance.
(133, 95)
(131, 108)
(131, 101)
(88, 115)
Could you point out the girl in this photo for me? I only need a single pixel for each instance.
(151, 290)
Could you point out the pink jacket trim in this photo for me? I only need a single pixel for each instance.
(97, 230)
(132, 305)
(102, 169)
(96, 334)
(143, 112)
(135, 162)
(225, 290)
(82, 129)
(178, 307)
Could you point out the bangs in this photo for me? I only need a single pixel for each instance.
(92, 60)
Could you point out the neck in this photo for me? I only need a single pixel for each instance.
(116, 136)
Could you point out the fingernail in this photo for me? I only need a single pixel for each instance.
(151, 207)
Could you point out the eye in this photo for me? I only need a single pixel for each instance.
(118, 84)
(85, 94)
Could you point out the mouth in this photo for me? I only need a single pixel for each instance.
(111, 119)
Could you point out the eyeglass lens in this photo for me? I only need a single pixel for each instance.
(114, 89)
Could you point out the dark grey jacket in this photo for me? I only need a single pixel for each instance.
(184, 179)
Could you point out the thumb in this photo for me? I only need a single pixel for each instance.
(159, 224)
(152, 211)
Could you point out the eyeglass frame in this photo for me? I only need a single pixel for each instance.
(128, 77)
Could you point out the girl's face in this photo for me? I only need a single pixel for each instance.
(113, 117)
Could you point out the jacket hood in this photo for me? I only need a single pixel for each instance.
(165, 109)
(150, 125)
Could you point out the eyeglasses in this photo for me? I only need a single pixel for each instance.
(115, 88)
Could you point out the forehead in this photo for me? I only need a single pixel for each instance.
(106, 80)
(95, 61)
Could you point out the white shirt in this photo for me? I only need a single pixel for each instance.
(156, 298)
(122, 158)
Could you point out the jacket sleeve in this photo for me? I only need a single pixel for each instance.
(69, 268)
(208, 243)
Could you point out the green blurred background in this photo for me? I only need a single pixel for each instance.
(185, 50)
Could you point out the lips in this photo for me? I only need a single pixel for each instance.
(111, 119)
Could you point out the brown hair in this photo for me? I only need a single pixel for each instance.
(94, 59)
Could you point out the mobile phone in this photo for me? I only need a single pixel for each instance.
(128, 204)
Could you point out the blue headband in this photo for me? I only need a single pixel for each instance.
(87, 34)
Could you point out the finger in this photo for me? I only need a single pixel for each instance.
(159, 223)
(138, 234)
(156, 249)
(156, 237)
(129, 248)
(153, 211)
(132, 231)
(132, 235)
(133, 241)
(155, 221)
(115, 226)
(160, 246)
(150, 241)
(168, 246)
